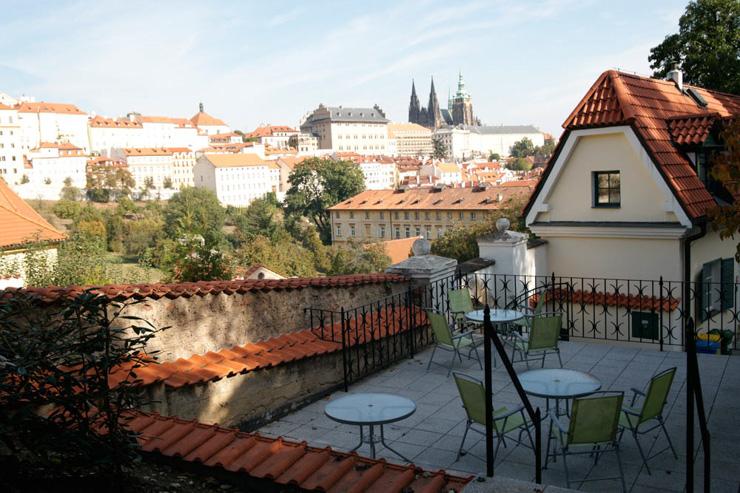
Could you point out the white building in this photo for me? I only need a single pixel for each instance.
(237, 179)
(208, 124)
(409, 139)
(380, 174)
(158, 172)
(467, 141)
(224, 139)
(48, 167)
(304, 143)
(362, 130)
(441, 173)
(275, 136)
(11, 152)
(115, 133)
(52, 122)
(165, 131)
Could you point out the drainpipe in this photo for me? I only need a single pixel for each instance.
(687, 264)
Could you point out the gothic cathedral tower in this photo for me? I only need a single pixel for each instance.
(462, 105)
(429, 116)
(414, 108)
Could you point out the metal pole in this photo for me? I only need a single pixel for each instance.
(688, 337)
(538, 446)
(660, 311)
(487, 328)
(345, 361)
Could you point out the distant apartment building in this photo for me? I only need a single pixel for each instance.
(380, 172)
(468, 141)
(409, 139)
(225, 139)
(52, 122)
(111, 133)
(207, 124)
(362, 130)
(275, 136)
(47, 168)
(237, 179)
(158, 172)
(304, 143)
(377, 215)
(441, 173)
(11, 153)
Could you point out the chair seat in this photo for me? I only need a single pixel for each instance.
(512, 422)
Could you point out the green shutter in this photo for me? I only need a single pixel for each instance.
(728, 283)
(703, 291)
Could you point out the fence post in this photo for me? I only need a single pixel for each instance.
(344, 350)
(660, 311)
(487, 328)
(411, 322)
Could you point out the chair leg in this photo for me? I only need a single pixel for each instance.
(619, 464)
(642, 454)
(477, 356)
(429, 365)
(559, 359)
(547, 449)
(670, 443)
(544, 353)
(460, 450)
(565, 466)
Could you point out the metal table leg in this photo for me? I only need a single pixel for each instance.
(382, 440)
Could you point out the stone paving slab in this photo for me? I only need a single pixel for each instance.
(431, 437)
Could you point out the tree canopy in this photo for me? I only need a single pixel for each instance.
(706, 46)
(195, 212)
(522, 148)
(726, 169)
(440, 149)
(317, 184)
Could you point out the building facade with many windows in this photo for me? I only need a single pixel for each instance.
(410, 139)
(361, 130)
(377, 215)
(11, 153)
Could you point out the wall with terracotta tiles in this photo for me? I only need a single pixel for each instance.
(198, 324)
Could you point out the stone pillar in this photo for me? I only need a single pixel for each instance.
(425, 269)
(508, 249)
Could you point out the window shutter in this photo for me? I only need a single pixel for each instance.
(728, 283)
(703, 291)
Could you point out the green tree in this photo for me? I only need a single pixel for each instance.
(261, 217)
(519, 164)
(195, 212)
(105, 181)
(167, 183)
(80, 261)
(193, 260)
(706, 47)
(317, 184)
(283, 255)
(522, 148)
(546, 149)
(494, 156)
(726, 169)
(67, 209)
(356, 258)
(439, 149)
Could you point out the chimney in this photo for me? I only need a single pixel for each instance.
(200, 107)
(676, 76)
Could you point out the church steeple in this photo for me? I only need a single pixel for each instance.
(414, 108)
(435, 114)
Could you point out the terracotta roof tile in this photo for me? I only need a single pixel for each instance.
(661, 115)
(621, 300)
(283, 461)
(123, 292)
(203, 119)
(20, 224)
(276, 351)
(44, 107)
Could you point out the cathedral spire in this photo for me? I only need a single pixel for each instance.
(414, 108)
(434, 112)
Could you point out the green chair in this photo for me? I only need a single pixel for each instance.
(639, 421)
(505, 421)
(543, 338)
(460, 304)
(448, 342)
(593, 429)
(525, 324)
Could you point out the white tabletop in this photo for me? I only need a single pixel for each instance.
(498, 316)
(370, 409)
(558, 383)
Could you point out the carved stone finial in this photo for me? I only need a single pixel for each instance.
(502, 225)
(421, 247)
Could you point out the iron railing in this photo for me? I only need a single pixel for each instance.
(373, 335)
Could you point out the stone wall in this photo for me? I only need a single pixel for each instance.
(198, 324)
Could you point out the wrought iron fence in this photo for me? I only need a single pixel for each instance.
(373, 335)
(630, 310)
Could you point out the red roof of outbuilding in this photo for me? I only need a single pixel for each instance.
(662, 116)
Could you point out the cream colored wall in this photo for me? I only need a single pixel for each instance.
(711, 247)
(624, 258)
(571, 197)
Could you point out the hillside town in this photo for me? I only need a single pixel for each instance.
(319, 281)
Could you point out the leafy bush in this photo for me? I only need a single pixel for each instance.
(67, 380)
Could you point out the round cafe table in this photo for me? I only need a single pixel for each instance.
(371, 410)
(498, 317)
(558, 384)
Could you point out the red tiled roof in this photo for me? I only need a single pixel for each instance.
(122, 292)
(268, 131)
(20, 224)
(649, 106)
(44, 107)
(103, 122)
(269, 353)
(622, 300)
(691, 130)
(285, 462)
(203, 119)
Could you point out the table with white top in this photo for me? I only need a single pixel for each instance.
(371, 410)
(499, 317)
(558, 384)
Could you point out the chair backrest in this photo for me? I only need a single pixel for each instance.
(473, 396)
(440, 328)
(540, 303)
(460, 301)
(657, 394)
(545, 332)
(595, 419)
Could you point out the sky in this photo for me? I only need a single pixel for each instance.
(252, 63)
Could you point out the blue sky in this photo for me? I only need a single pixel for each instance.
(524, 62)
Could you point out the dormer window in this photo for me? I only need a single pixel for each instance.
(606, 189)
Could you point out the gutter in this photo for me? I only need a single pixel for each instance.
(688, 240)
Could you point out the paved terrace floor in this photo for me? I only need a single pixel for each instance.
(432, 435)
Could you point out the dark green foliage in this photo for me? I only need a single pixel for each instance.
(195, 212)
(522, 148)
(56, 393)
(317, 184)
(440, 149)
(519, 164)
(706, 47)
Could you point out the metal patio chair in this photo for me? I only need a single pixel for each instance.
(505, 421)
(525, 324)
(650, 416)
(593, 430)
(543, 338)
(460, 304)
(446, 341)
